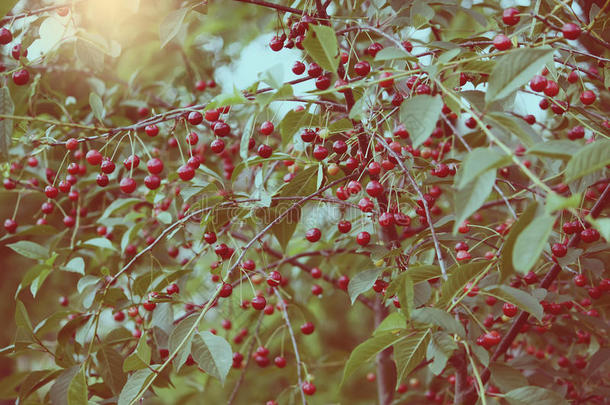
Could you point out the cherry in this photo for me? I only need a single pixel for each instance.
(10, 225)
(152, 181)
(323, 82)
(307, 328)
(510, 16)
(343, 282)
(274, 279)
(387, 81)
(276, 44)
(21, 77)
(9, 184)
(119, 316)
(320, 152)
(374, 168)
(344, 226)
(51, 192)
(538, 83)
(578, 132)
(127, 185)
(259, 302)
(374, 48)
(362, 68)
(221, 129)
(589, 235)
(339, 147)
(314, 70)
(5, 36)
(316, 272)
(551, 89)
(587, 97)
(266, 128)
(194, 162)
(154, 166)
(316, 289)
(298, 68)
(374, 189)
(570, 31)
(363, 238)
(186, 173)
(132, 162)
(580, 280)
(217, 146)
(225, 290)
(366, 205)
(280, 362)
(107, 166)
(509, 309)
(463, 255)
(313, 235)
(308, 388)
(195, 118)
(501, 42)
(212, 115)
(151, 130)
(102, 180)
(149, 306)
(249, 265)
(559, 249)
(386, 219)
(93, 157)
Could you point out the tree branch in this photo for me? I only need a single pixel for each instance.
(273, 6)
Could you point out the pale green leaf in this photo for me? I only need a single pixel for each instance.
(470, 198)
(419, 115)
(321, 44)
(439, 318)
(531, 242)
(362, 282)
(213, 354)
(590, 158)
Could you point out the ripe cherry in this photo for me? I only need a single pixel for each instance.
(6, 36)
(307, 328)
(195, 118)
(107, 166)
(580, 280)
(316, 272)
(313, 235)
(308, 388)
(69, 221)
(266, 128)
(339, 147)
(93, 157)
(276, 44)
(387, 80)
(320, 152)
(217, 146)
(298, 68)
(151, 130)
(589, 235)
(551, 89)
(51, 192)
(362, 68)
(221, 129)
(192, 138)
(374, 48)
(102, 180)
(374, 189)
(509, 309)
(344, 226)
(323, 82)
(127, 185)
(10, 225)
(559, 249)
(132, 162)
(510, 16)
(152, 181)
(149, 306)
(186, 173)
(154, 166)
(314, 70)
(343, 282)
(570, 31)
(538, 83)
(587, 97)
(21, 77)
(274, 279)
(363, 238)
(280, 362)
(225, 290)
(264, 151)
(501, 42)
(259, 302)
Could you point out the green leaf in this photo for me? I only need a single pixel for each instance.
(555, 202)
(30, 250)
(557, 149)
(392, 322)
(603, 225)
(321, 44)
(97, 106)
(409, 352)
(458, 278)
(171, 25)
(295, 120)
(8, 108)
(423, 273)
(507, 266)
(119, 203)
(505, 377)
(22, 319)
(590, 158)
(181, 332)
(440, 349)
(512, 125)
(521, 299)
(213, 354)
(134, 384)
(362, 282)
(77, 390)
(534, 395)
(111, 368)
(477, 162)
(403, 286)
(392, 53)
(100, 242)
(226, 99)
(38, 281)
(76, 265)
(514, 69)
(531, 242)
(6, 6)
(245, 137)
(367, 350)
(419, 115)
(470, 198)
(439, 318)
(59, 390)
(140, 358)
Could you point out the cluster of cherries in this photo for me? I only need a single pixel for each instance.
(21, 76)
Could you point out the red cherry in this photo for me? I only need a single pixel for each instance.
(323, 82)
(152, 181)
(344, 226)
(501, 42)
(192, 138)
(509, 309)
(221, 129)
(313, 235)
(5, 36)
(69, 221)
(149, 306)
(374, 189)
(217, 146)
(225, 290)
(212, 115)
(307, 328)
(186, 173)
(510, 16)
(274, 279)
(209, 237)
(102, 180)
(266, 128)
(276, 44)
(362, 68)
(387, 81)
(571, 31)
(151, 130)
(10, 225)
(21, 77)
(298, 68)
(195, 118)
(259, 302)
(538, 83)
(551, 89)
(363, 238)
(107, 166)
(374, 48)
(132, 162)
(280, 362)
(339, 147)
(314, 70)
(587, 97)
(320, 152)
(154, 166)
(308, 388)
(51, 192)
(127, 185)
(264, 151)
(93, 157)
